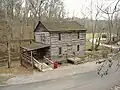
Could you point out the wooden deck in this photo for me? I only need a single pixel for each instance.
(75, 60)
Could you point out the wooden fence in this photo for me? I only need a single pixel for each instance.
(14, 49)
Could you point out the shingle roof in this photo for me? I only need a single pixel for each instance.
(63, 26)
(35, 46)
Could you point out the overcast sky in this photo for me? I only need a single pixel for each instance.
(75, 7)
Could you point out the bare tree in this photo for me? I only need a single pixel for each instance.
(117, 25)
(93, 22)
(110, 12)
(23, 11)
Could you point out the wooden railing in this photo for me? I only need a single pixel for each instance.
(35, 63)
(47, 60)
(27, 58)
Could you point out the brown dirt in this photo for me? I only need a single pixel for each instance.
(16, 69)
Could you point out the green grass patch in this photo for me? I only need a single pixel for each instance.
(89, 36)
(88, 45)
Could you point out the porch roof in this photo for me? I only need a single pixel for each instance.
(34, 46)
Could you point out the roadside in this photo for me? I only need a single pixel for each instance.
(116, 87)
(57, 73)
(86, 81)
(15, 70)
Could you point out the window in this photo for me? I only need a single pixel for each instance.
(78, 47)
(60, 50)
(78, 35)
(59, 36)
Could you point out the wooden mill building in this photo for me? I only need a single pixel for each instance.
(66, 36)
(55, 40)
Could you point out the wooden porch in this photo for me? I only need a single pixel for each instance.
(33, 56)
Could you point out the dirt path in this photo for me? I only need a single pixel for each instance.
(109, 46)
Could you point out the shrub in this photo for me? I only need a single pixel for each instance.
(104, 36)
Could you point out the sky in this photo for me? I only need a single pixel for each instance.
(75, 7)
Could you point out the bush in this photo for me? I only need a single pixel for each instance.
(104, 36)
(89, 49)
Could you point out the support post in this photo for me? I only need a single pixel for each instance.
(31, 59)
(21, 56)
(9, 57)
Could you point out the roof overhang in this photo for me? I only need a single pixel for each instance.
(35, 46)
(81, 30)
(60, 27)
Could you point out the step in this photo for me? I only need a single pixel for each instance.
(45, 67)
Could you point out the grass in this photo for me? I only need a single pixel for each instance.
(88, 37)
(88, 45)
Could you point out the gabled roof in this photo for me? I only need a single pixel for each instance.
(61, 26)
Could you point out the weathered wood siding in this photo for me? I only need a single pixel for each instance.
(42, 37)
(68, 42)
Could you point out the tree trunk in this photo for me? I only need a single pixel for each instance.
(9, 56)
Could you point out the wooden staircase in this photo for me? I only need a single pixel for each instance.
(41, 66)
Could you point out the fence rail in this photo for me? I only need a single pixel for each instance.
(48, 60)
(32, 61)
(4, 59)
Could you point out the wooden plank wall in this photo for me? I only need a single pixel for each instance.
(68, 42)
(42, 37)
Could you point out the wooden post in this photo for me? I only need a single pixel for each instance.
(20, 55)
(30, 41)
(74, 55)
(31, 59)
(41, 67)
(9, 57)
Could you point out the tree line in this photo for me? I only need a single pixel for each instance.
(25, 10)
